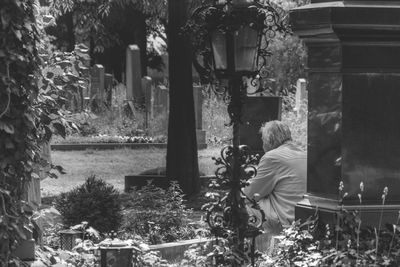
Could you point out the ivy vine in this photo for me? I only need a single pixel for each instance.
(27, 119)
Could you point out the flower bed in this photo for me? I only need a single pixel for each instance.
(151, 215)
(106, 139)
(100, 142)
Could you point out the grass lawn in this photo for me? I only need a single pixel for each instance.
(112, 166)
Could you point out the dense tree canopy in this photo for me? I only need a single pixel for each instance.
(108, 27)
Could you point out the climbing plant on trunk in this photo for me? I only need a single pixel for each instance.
(28, 117)
(18, 131)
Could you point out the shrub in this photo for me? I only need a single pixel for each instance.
(95, 201)
(297, 124)
(341, 242)
(158, 215)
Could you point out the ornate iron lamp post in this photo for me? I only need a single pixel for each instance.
(231, 37)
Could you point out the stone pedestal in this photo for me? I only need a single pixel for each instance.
(354, 114)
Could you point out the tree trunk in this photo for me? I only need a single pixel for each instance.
(182, 164)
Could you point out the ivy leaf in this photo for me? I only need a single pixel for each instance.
(18, 34)
(52, 175)
(29, 118)
(18, 230)
(8, 128)
(60, 129)
(49, 75)
(59, 168)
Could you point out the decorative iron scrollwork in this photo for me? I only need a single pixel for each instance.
(227, 216)
(220, 212)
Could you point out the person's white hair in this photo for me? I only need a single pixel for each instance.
(274, 134)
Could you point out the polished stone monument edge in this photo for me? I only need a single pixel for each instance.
(353, 49)
(328, 208)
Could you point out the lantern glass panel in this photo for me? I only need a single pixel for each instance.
(218, 43)
(246, 44)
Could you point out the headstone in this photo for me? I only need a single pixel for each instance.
(134, 90)
(97, 82)
(198, 108)
(108, 85)
(198, 105)
(301, 95)
(160, 109)
(118, 96)
(354, 114)
(146, 86)
(256, 111)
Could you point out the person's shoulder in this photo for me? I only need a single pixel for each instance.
(286, 151)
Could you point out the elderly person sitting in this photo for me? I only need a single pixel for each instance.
(281, 177)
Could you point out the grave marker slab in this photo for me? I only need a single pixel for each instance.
(256, 111)
(301, 95)
(134, 90)
(97, 82)
(198, 108)
(108, 84)
(146, 86)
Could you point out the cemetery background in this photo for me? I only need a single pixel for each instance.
(345, 243)
(78, 91)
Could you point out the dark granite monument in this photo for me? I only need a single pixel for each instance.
(256, 111)
(354, 110)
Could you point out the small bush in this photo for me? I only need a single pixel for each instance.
(95, 202)
(158, 215)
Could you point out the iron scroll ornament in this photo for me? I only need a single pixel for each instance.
(227, 216)
(221, 216)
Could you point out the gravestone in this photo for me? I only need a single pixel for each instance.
(198, 108)
(146, 86)
(134, 90)
(256, 111)
(301, 95)
(354, 114)
(108, 85)
(160, 109)
(118, 96)
(97, 82)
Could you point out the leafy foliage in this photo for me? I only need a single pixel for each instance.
(301, 247)
(287, 62)
(29, 114)
(104, 139)
(297, 121)
(19, 122)
(158, 215)
(95, 202)
(341, 244)
(90, 18)
(66, 76)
